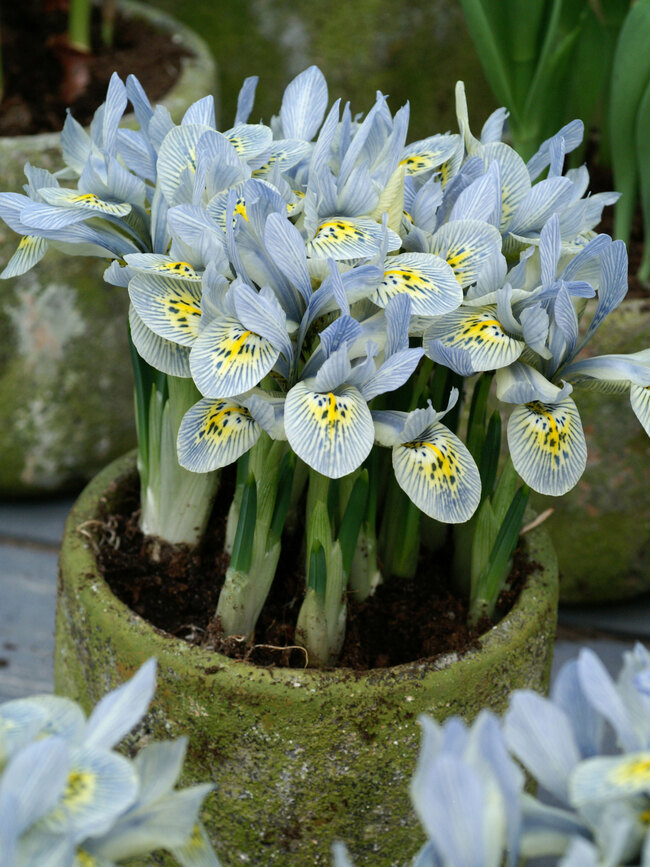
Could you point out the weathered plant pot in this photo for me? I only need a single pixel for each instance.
(63, 415)
(601, 529)
(299, 758)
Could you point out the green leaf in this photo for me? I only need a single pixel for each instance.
(490, 455)
(505, 490)
(353, 519)
(283, 496)
(242, 551)
(630, 76)
(493, 577)
(643, 161)
(486, 529)
(483, 32)
(477, 414)
(317, 578)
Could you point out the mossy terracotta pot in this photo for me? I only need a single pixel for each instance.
(66, 391)
(299, 758)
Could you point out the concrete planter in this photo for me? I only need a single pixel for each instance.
(66, 402)
(601, 529)
(299, 758)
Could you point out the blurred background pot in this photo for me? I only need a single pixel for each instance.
(66, 389)
(601, 529)
(299, 758)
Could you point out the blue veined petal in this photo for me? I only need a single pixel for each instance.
(214, 433)
(35, 779)
(572, 135)
(587, 724)
(285, 244)
(341, 856)
(460, 814)
(566, 321)
(535, 323)
(427, 279)
(29, 252)
(285, 154)
(268, 411)
(177, 158)
(521, 383)
(249, 139)
(165, 823)
(547, 445)
(640, 401)
(466, 245)
(75, 144)
(159, 766)
(603, 779)
(389, 425)
(139, 100)
(603, 695)
(481, 200)
(120, 710)
(198, 851)
(544, 199)
(392, 373)
(160, 263)
(479, 334)
(164, 355)
(246, 99)
(64, 718)
(515, 181)
(168, 306)
(350, 238)
(612, 286)
(303, 104)
(228, 359)
(114, 106)
(625, 369)
(138, 154)
(439, 475)
(550, 249)
(492, 129)
(100, 785)
(261, 313)
(87, 202)
(428, 154)
(332, 433)
(453, 357)
(540, 735)
(201, 112)
(333, 372)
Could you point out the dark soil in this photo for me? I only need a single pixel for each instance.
(33, 74)
(405, 620)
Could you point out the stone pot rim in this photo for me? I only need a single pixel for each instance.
(78, 565)
(198, 68)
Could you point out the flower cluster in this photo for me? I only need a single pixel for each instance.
(321, 285)
(285, 267)
(67, 798)
(469, 793)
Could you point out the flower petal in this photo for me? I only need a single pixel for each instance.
(428, 280)
(332, 433)
(227, 359)
(349, 238)
(168, 306)
(168, 357)
(479, 334)
(547, 445)
(214, 433)
(29, 251)
(466, 245)
(439, 475)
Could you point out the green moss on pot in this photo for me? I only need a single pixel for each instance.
(601, 529)
(300, 758)
(66, 391)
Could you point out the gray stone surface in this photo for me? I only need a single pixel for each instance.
(622, 619)
(40, 522)
(27, 602)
